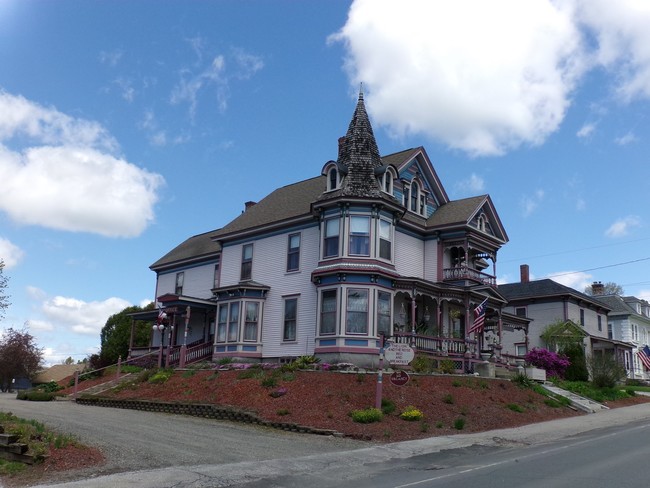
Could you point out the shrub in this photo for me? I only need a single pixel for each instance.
(367, 416)
(459, 423)
(411, 414)
(224, 361)
(161, 376)
(387, 406)
(50, 386)
(448, 399)
(605, 371)
(422, 364)
(283, 411)
(516, 407)
(447, 366)
(35, 395)
(269, 381)
(577, 369)
(554, 364)
(522, 380)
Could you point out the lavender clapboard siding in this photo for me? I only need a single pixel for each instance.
(431, 260)
(197, 281)
(269, 268)
(409, 255)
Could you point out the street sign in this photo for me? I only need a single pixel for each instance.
(399, 354)
(399, 378)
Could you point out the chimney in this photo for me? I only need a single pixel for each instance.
(597, 288)
(524, 272)
(249, 204)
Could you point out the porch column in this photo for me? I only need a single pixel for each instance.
(413, 318)
(181, 361)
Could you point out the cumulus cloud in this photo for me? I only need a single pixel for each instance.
(79, 316)
(488, 77)
(10, 254)
(68, 176)
(623, 226)
(483, 82)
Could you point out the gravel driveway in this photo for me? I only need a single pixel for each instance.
(135, 440)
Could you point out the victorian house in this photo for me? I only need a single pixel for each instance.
(371, 248)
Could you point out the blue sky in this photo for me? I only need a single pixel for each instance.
(126, 127)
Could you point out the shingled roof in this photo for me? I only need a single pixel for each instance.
(456, 211)
(541, 289)
(195, 248)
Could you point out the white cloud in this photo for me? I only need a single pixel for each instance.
(586, 130)
(626, 139)
(623, 41)
(488, 77)
(69, 178)
(473, 184)
(622, 227)
(481, 76)
(644, 295)
(10, 254)
(214, 76)
(81, 317)
(576, 280)
(40, 325)
(529, 203)
(111, 58)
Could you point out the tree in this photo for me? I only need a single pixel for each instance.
(20, 357)
(115, 335)
(4, 299)
(609, 288)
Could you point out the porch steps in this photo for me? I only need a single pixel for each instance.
(577, 401)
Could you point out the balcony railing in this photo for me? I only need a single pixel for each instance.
(465, 273)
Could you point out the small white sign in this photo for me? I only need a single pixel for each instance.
(400, 354)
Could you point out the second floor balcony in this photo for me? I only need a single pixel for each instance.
(461, 273)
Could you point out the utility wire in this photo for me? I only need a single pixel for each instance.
(600, 267)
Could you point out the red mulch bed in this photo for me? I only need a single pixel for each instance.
(325, 399)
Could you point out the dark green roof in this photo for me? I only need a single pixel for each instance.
(195, 248)
(544, 288)
(456, 211)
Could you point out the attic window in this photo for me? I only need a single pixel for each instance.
(480, 223)
(332, 179)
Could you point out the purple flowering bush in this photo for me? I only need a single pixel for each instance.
(555, 364)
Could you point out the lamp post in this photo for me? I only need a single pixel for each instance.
(160, 328)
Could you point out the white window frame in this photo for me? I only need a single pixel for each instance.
(350, 314)
(246, 272)
(359, 236)
(333, 313)
(293, 251)
(289, 322)
(326, 223)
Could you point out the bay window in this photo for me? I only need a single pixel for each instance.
(356, 321)
(328, 312)
(385, 245)
(331, 238)
(251, 320)
(222, 323)
(359, 236)
(233, 322)
(383, 313)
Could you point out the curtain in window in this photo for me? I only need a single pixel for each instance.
(251, 321)
(331, 244)
(233, 325)
(360, 236)
(328, 312)
(223, 323)
(357, 312)
(383, 313)
(290, 313)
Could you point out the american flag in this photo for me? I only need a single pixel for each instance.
(161, 316)
(644, 356)
(479, 318)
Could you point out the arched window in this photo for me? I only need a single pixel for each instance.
(415, 197)
(387, 182)
(332, 179)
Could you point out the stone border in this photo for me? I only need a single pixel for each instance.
(202, 410)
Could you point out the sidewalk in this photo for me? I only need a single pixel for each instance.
(232, 474)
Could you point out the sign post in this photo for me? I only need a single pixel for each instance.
(380, 375)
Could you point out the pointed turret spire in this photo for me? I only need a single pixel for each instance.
(358, 152)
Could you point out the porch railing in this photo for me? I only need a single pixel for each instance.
(199, 352)
(436, 345)
(465, 273)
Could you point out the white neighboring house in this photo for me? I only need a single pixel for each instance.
(628, 321)
(546, 302)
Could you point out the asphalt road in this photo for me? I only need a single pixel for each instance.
(183, 452)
